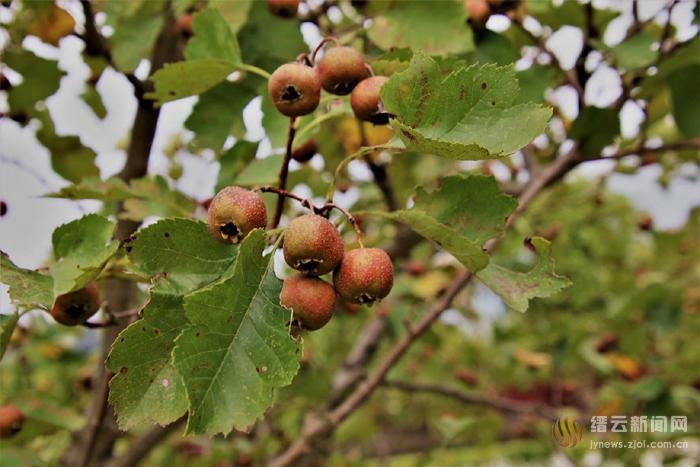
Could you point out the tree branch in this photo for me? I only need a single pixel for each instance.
(142, 445)
(97, 437)
(317, 427)
(284, 171)
(498, 403)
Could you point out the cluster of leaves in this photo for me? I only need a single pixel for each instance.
(212, 340)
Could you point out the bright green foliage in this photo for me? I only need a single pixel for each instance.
(81, 249)
(146, 388)
(147, 196)
(41, 78)
(179, 255)
(635, 52)
(517, 288)
(460, 216)
(234, 161)
(212, 38)
(433, 29)
(136, 25)
(28, 289)
(7, 325)
(686, 99)
(238, 348)
(449, 116)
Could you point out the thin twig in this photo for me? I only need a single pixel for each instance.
(317, 428)
(284, 171)
(498, 403)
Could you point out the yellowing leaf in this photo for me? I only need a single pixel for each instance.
(52, 24)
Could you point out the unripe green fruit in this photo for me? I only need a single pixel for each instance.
(340, 69)
(283, 8)
(366, 101)
(234, 212)
(11, 420)
(312, 245)
(74, 308)
(305, 152)
(365, 275)
(294, 89)
(311, 300)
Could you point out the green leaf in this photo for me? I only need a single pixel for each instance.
(433, 29)
(685, 96)
(260, 171)
(276, 125)
(112, 189)
(470, 114)
(218, 114)
(239, 349)
(177, 80)
(594, 129)
(179, 254)
(268, 41)
(144, 197)
(28, 289)
(212, 38)
(635, 52)
(69, 158)
(460, 216)
(146, 388)
(7, 325)
(534, 82)
(136, 26)
(81, 249)
(151, 196)
(93, 99)
(235, 13)
(234, 161)
(517, 288)
(40, 79)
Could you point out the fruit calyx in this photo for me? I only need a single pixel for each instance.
(234, 212)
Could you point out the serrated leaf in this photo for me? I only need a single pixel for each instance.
(470, 114)
(517, 288)
(27, 288)
(235, 13)
(177, 80)
(7, 326)
(40, 78)
(146, 388)
(239, 349)
(212, 38)
(218, 114)
(151, 196)
(81, 249)
(234, 161)
(460, 216)
(179, 254)
(433, 29)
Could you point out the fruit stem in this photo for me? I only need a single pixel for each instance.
(351, 218)
(316, 122)
(284, 171)
(359, 153)
(320, 46)
(254, 69)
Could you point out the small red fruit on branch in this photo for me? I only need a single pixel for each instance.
(312, 245)
(234, 212)
(311, 300)
(74, 308)
(11, 420)
(364, 276)
(366, 102)
(294, 89)
(283, 8)
(340, 69)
